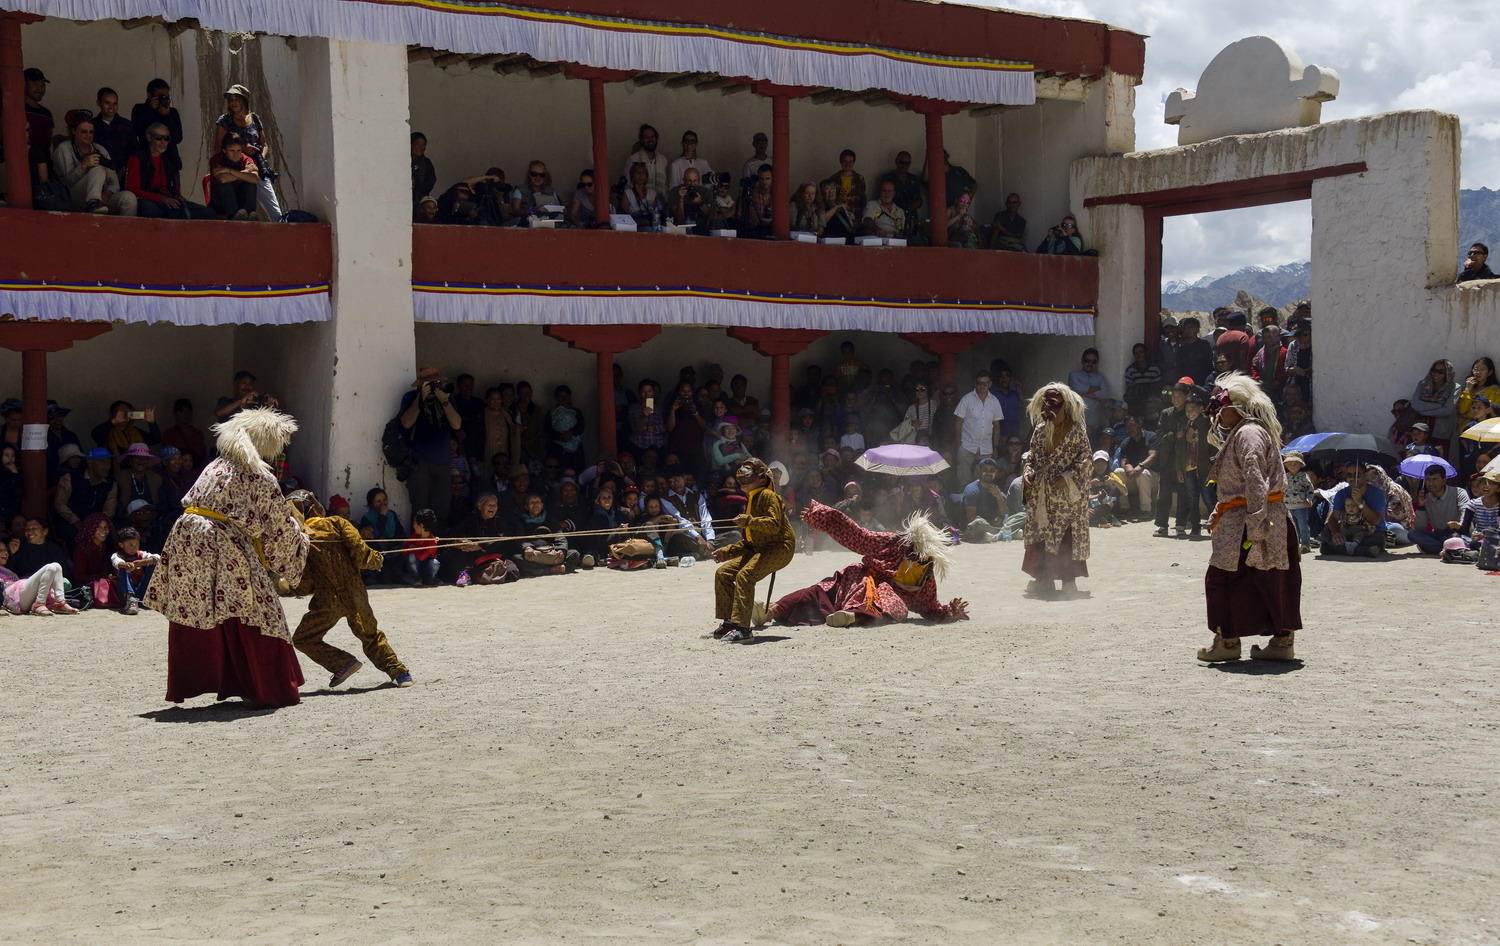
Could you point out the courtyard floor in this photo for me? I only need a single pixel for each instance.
(577, 764)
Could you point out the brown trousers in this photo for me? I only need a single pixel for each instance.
(734, 583)
(324, 611)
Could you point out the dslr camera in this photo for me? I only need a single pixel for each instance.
(720, 179)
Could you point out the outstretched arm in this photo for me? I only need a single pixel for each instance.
(845, 531)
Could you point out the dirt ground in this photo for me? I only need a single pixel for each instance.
(577, 764)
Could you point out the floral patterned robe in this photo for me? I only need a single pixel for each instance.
(1249, 467)
(1057, 501)
(883, 553)
(210, 571)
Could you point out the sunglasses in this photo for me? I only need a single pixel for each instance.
(1478, 253)
(923, 390)
(536, 174)
(585, 183)
(161, 138)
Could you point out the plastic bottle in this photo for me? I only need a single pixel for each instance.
(687, 561)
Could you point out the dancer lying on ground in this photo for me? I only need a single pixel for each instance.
(898, 574)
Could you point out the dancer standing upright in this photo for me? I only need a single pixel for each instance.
(1056, 475)
(1254, 581)
(227, 631)
(766, 546)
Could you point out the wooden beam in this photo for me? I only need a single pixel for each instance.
(735, 88)
(825, 95)
(648, 78)
(420, 53)
(685, 79)
(480, 62)
(139, 21)
(981, 111)
(539, 69)
(511, 65)
(182, 26)
(449, 59)
(709, 83)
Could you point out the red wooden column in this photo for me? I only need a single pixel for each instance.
(600, 130)
(604, 342)
(933, 111)
(13, 109)
(780, 344)
(781, 152)
(33, 340)
(947, 346)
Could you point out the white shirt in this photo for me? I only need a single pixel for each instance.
(888, 223)
(656, 167)
(980, 417)
(680, 166)
(752, 166)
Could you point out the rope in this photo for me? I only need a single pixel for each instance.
(457, 541)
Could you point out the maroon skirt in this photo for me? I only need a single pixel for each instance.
(1254, 602)
(232, 659)
(1044, 566)
(812, 604)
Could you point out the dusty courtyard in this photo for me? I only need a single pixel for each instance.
(578, 765)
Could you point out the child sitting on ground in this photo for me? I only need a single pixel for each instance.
(419, 560)
(334, 560)
(133, 568)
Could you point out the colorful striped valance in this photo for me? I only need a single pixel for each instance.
(178, 305)
(482, 27)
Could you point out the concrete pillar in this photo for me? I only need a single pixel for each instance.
(355, 133)
(1119, 233)
(13, 110)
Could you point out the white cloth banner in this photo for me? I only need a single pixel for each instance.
(552, 41)
(105, 306)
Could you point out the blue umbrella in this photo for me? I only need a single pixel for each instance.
(1304, 443)
(1416, 466)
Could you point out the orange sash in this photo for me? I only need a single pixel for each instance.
(1238, 502)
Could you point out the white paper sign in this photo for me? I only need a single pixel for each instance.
(33, 436)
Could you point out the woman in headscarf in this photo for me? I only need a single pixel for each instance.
(897, 574)
(1400, 514)
(766, 546)
(216, 584)
(1254, 583)
(1056, 473)
(1436, 399)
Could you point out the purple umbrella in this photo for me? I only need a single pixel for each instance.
(902, 459)
(1416, 466)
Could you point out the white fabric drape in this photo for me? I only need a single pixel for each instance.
(107, 306)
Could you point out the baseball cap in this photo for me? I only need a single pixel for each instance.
(1101, 455)
(136, 504)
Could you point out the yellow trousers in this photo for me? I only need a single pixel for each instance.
(734, 583)
(324, 611)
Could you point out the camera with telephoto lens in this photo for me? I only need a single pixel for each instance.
(163, 100)
(435, 386)
(720, 178)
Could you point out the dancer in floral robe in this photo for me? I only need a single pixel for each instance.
(1056, 474)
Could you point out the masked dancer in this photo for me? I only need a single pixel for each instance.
(1055, 484)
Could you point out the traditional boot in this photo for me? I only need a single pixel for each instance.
(738, 635)
(1278, 648)
(839, 619)
(1223, 650)
(1040, 588)
(724, 628)
(758, 614)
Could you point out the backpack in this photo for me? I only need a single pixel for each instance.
(395, 446)
(1489, 551)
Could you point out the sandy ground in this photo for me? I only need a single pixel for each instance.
(578, 765)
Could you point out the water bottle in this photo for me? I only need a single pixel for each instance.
(687, 561)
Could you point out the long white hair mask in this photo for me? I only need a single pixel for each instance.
(1072, 404)
(1245, 395)
(254, 437)
(929, 543)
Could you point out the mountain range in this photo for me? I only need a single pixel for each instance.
(1479, 221)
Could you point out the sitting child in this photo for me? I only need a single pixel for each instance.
(1348, 532)
(133, 568)
(419, 559)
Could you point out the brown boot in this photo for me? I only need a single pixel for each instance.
(1278, 648)
(1224, 649)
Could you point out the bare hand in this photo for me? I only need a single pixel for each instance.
(150, 413)
(960, 609)
(470, 547)
(172, 202)
(721, 555)
(1453, 526)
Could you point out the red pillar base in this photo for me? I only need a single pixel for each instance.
(604, 342)
(946, 346)
(780, 344)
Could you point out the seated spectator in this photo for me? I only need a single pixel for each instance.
(1106, 493)
(806, 217)
(1134, 461)
(235, 181)
(836, 220)
(985, 506)
(113, 131)
(581, 210)
(910, 191)
(1440, 510)
(640, 200)
(419, 556)
(1063, 239)
(136, 479)
(1481, 382)
(158, 110)
(758, 143)
(688, 202)
(543, 552)
(39, 593)
(480, 528)
(154, 176)
(722, 210)
(678, 168)
(661, 528)
(238, 119)
(177, 477)
(381, 527)
(849, 186)
(728, 453)
(1400, 517)
(963, 230)
(87, 169)
(1356, 516)
(535, 194)
(1476, 264)
(39, 549)
(646, 154)
(184, 436)
(1008, 229)
(1480, 514)
(426, 211)
(133, 569)
(91, 552)
(423, 174)
(757, 220)
(84, 492)
(882, 217)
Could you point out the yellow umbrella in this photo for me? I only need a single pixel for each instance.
(1486, 431)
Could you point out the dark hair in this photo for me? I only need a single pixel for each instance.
(232, 138)
(370, 496)
(1435, 468)
(106, 90)
(127, 533)
(460, 378)
(1194, 321)
(644, 127)
(245, 374)
(1138, 345)
(1481, 246)
(157, 84)
(181, 404)
(417, 134)
(1091, 351)
(849, 152)
(982, 373)
(425, 518)
(561, 389)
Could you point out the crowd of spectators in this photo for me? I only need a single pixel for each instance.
(100, 162)
(686, 194)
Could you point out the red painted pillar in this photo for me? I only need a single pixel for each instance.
(34, 432)
(604, 377)
(937, 181)
(947, 346)
(779, 344)
(781, 166)
(604, 342)
(781, 396)
(601, 161)
(13, 110)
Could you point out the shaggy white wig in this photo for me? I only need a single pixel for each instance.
(1246, 397)
(929, 543)
(254, 437)
(1072, 403)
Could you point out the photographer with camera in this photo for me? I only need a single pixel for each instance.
(687, 203)
(157, 109)
(126, 426)
(483, 199)
(245, 396)
(722, 209)
(429, 418)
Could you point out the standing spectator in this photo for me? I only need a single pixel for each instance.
(427, 413)
(920, 414)
(956, 180)
(113, 131)
(759, 216)
(158, 109)
(758, 143)
(1008, 229)
(686, 429)
(836, 220)
(1436, 399)
(1063, 239)
(1439, 511)
(1235, 343)
(645, 154)
(87, 169)
(423, 174)
(238, 119)
(981, 416)
(184, 436)
(1008, 394)
(1092, 386)
(154, 176)
(909, 188)
(564, 429)
(531, 431)
(234, 179)
(1299, 360)
(245, 395)
(10, 483)
(39, 125)
(1300, 496)
(1142, 380)
(648, 429)
(1476, 264)
(689, 159)
(849, 185)
(1195, 356)
(882, 217)
(1269, 364)
(122, 429)
(470, 414)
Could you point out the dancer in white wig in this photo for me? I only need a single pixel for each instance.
(898, 574)
(1254, 583)
(1055, 484)
(216, 582)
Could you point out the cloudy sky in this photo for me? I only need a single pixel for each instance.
(1390, 54)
